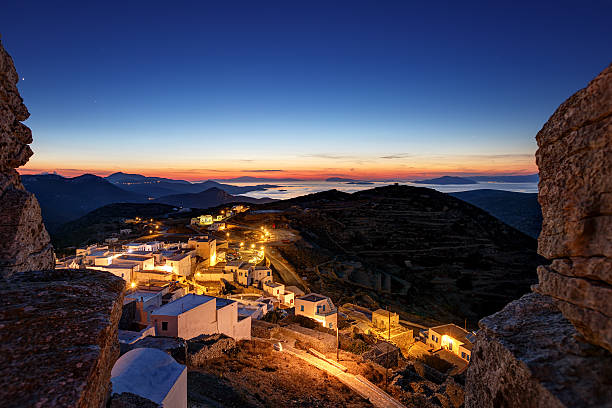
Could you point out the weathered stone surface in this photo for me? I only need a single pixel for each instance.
(206, 347)
(24, 242)
(595, 268)
(129, 400)
(575, 162)
(58, 337)
(543, 350)
(581, 292)
(529, 355)
(593, 325)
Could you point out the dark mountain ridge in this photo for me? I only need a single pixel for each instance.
(447, 180)
(209, 198)
(63, 199)
(155, 187)
(519, 210)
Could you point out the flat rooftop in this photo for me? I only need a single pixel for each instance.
(143, 295)
(131, 257)
(178, 257)
(273, 284)
(221, 302)
(182, 305)
(313, 297)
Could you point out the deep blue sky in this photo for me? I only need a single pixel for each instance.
(312, 88)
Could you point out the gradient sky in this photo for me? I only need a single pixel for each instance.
(364, 89)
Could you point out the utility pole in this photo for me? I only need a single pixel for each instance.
(337, 343)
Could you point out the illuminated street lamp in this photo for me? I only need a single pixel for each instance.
(133, 285)
(150, 231)
(242, 244)
(252, 245)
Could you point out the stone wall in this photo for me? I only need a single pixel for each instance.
(24, 242)
(552, 348)
(59, 337)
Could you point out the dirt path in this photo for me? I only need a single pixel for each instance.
(288, 275)
(357, 383)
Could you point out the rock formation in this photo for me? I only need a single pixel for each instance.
(552, 348)
(58, 328)
(58, 337)
(24, 241)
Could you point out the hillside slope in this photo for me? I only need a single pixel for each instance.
(519, 210)
(64, 199)
(424, 253)
(98, 224)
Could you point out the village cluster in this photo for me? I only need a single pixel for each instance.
(212, 284)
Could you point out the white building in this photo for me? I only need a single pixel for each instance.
(151, 374)
(180, 264)
(205, 247)
(243, 274)
(279, 291)
(261, 275)
(126, 271)
(319, 308)
(193, 315)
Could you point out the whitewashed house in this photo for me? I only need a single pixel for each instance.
(193, 315)
(319, 308)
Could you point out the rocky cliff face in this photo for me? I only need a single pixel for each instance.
(58, 328)
(24, 241)
(552, 348)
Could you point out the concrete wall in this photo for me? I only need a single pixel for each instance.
(199, 320)
(177, 396)
(227, 318)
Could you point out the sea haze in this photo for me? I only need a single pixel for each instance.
(298, 188)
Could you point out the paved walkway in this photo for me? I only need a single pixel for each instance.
(357, 383)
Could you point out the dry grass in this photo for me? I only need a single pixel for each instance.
(255, 375)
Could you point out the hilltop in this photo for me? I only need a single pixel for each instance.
(424, 253)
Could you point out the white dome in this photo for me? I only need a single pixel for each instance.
(147, 372)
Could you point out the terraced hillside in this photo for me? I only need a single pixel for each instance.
(425, 253)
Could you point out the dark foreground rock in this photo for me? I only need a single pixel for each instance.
(553, 348)
(24, 242)
(58, 337)
(530, 355)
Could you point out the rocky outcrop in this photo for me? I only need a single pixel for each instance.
(553, 348)
(575, 161)
(58, 337)
(530, 355)
(24, 241)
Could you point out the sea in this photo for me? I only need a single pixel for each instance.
(298, 188)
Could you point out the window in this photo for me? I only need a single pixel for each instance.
(463, 355)
(323, 306)
(331, 325)
(268, 273)
(301, 308)
(467, 357)
(164, 326)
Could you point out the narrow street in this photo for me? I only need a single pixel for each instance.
(357, 383)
